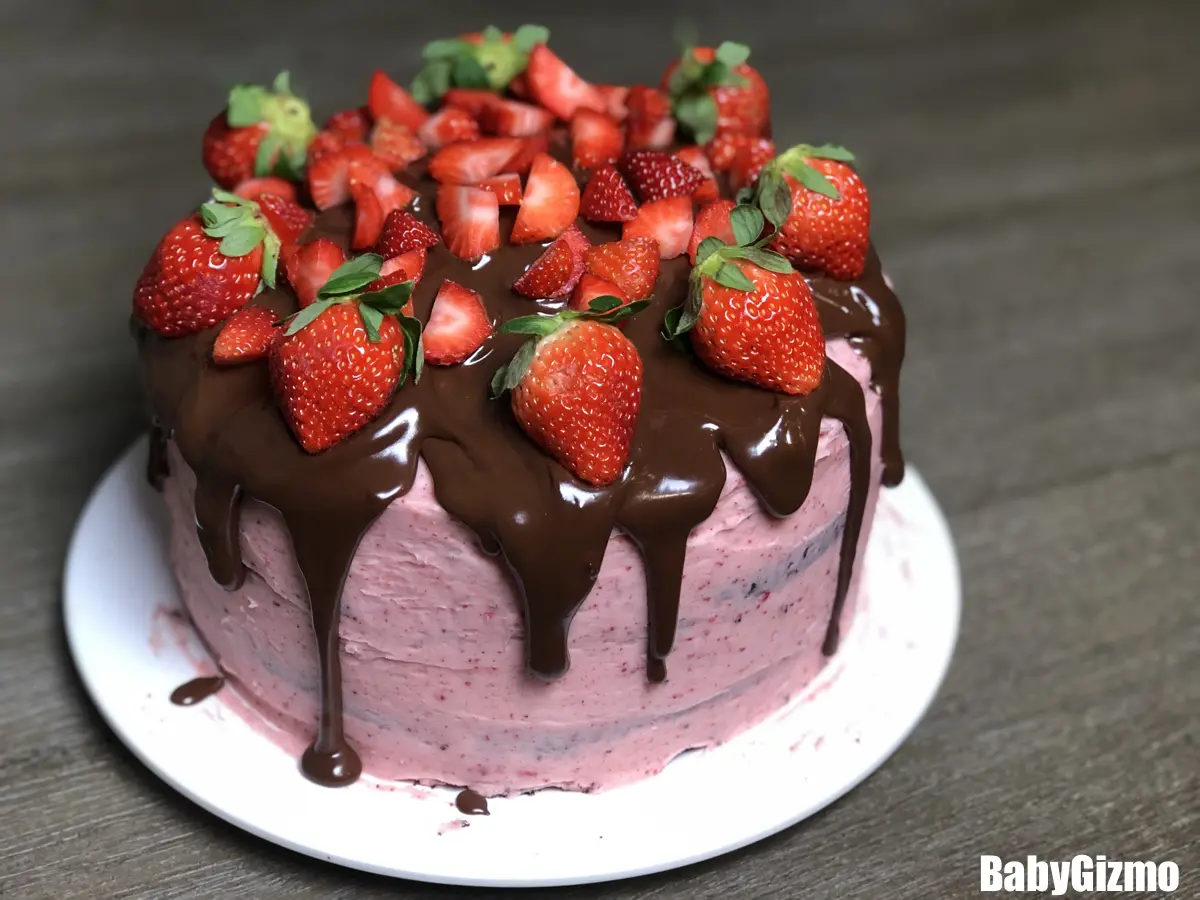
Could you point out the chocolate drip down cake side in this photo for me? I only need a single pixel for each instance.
(516, 430)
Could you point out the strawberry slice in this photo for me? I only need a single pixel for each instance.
(324, 143)
(368, 215)
(376, 193)
(458, 325)
(723, 148)
(596, 139)
(310, 267)
(246, 336)
(396, 145)
(253, 188)
(535, 144)
(402, 232)
(470, 162)
(519, 87)
(397, 271)
(631, 264)
(557, 270)
(668, 221)
(471, 99)
(554, 85)
(657, 174)
(506, 187)
(512, 118)
(712, 221)
(592, 286)
(329, 175)
(448, 125)
(470, 220)
(650, 124)
(749, 160)
(387, 100)
(607, 198)
(350, 124)
(550, 204)
(615, 97)
(694, 156)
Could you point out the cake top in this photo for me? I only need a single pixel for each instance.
(572, 301)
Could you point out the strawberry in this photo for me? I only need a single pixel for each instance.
(821, 209)
(650, 124)
(694, 156)
(402, 232)
(550, 204)
(470, 162)
(470, 220)
(368, 215)
(615, 97)
(630, 263)
(554, 85)
(519, 87)
(288, 220)
(596, 139)
(325, 143)
(310, 267)
(489, 59)
(711, 221)
(473, 100)
(329, 175)
(387, 100)
(607, 198)
(396, 145)
(458, 325)
(668, 221)
(558, 269)
(722, 149)
(576, 388)
(716, 92)
(506, 187)
(350, 124)
(246, 336)
(268, 184)
(207, 267)
(408, 266)
(261, 132)
(523, 160)
(749, 160)
(592, 286)
(376, 194)
(657, 174)
(447, 126)
(512, 118)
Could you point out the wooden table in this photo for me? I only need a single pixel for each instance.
(1035, 172)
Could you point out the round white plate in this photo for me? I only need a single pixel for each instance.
(133, 647)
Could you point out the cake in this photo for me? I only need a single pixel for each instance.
(519, 431)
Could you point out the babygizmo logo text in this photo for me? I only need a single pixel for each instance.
(1080, 874)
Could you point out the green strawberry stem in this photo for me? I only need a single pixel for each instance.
(284, 147)
(689, 86)
(489, 65)
(241, 227)
(772, 194)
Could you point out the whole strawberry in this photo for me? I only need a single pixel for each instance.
(207, 267)
(576, 387)
(342, 358)
(821, 209)
(716, 92)
(262, 131)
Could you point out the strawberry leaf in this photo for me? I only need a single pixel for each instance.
(527, 37)
(732, 54)
(270, 263)
(268, 152)
(774, 197)
(492, 35)
(747, 224)
(432, 81)
(766, 259)
(448, 48)
(619, 313)
(698, 112)
(414, 349)
(283, 82)
(391, 300)
(307, 316)
(510, 374)
(707, 248)
(352, 275)
(829, 151)
(541, 326)
(682, 319)
(372, 319)
(245, 106)
(469, 73)
(731, 276)
(808, 176)
(243, 239)
(604, 303)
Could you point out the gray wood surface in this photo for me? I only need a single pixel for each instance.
(1035, 171)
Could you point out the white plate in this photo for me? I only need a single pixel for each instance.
(133, 647)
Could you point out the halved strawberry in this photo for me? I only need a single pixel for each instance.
(555, 85)
(470, 162)
(458, 325)
(247, 335)
(471, 99)
(402, 232)
(470, 220)
(371, 177)
(253, 188)
(328, 175)
(668, 221)
(650, 124)
(550, 204)
(310, 267)
(712, 221)
(596, 139)
(287, 219)
(694, 156)
(350, 124)
(506, 187)
(368, 215)
(615, 97)
(325, 143)
(396, 145)
(657, 174)
(607, 197)
(749, 161)
(592, 286)
(512, 118)
(534, 144)
(578, 241)
(446, 126)
(557, 270)
(631, 264)
(387, 100)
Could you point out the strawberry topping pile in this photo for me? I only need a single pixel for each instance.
(510, 145)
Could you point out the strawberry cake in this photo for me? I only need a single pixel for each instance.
(519, 431)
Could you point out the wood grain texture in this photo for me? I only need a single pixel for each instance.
(1035, 171)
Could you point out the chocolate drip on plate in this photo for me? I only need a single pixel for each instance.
(201, 688)
(471, 803)
(157, 465)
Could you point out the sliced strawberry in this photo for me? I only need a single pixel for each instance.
(246, 336)
(712, 221)
(592, 286)
(397, 271)
(506, 187)
(396, 145)
(596, 139)
(470, 220)
(650, 124)
(253, 188)
(470, 162)
(668, 221)
(615, 97)
(722, 149)
(550, 204)
(387, 100)
(329, 175)
(656, 174)
(325, 143)
(310, 267)
(556, 271)
(512, 118)
(448, 125)
(350, 124)
(470, 99)
(631, 264)
(402, 232)
(749, 161)
(607, 198)
(458, 325)
(554, 85)
(519, 87)
(578, 241)
(287, 219)
(534, 144)
(694, 156)
(390, 192)
(368, 215)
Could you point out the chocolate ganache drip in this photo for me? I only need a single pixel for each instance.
(551, 528)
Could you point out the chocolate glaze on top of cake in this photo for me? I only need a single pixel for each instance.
(551, 528)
